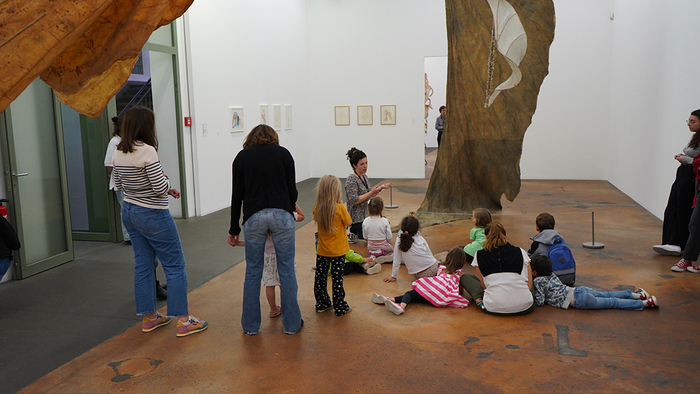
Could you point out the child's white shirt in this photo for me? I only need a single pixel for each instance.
(376, 228)
(418, 258)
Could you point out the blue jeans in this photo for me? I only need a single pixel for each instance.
(280, 224)
(4, 266)
(587, 298)
(120, 200)
(153, 233)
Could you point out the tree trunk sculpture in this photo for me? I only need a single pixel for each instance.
(478, 159)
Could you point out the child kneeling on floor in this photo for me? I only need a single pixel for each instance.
(441, 290)
(549, 290)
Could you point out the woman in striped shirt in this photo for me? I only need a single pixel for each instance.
(441, 290)
(138, 174)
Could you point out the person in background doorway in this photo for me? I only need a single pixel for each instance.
(440, 123)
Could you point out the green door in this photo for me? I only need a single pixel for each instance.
(35, 181)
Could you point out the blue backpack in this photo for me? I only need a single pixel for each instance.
(563, 264)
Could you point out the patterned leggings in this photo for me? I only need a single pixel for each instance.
(336, 265)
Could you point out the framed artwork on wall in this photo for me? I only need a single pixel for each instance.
(264, 113)
(288, 116)
(342, 115)
(236, 115)
(277, 117)
(388, 114)
(364, 115)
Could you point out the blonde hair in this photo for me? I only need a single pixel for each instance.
(495, 236)
(327, 195)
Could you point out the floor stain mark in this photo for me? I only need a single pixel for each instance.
(484, 355)
(667, 276)
(512, 347)
(471, 340)
(136, 367)
(563, 343)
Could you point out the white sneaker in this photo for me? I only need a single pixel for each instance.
(667, 250)
(385, 259)
(375, 269)
(393, 307)
(378, 299)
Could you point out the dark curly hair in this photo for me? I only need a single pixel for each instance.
(355, 155)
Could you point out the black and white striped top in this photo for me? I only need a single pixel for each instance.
(140, 177)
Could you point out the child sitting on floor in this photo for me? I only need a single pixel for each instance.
(377, 231)
(441, 290)
(413, 249)
(549, 290)
(481, 217)
(542, 243)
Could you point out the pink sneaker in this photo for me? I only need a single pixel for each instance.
(148, 325)
(192, 326)
(681, 265)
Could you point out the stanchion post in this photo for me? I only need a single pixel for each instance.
(593, 244)
(391, 199)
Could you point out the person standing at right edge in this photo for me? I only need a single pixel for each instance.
(264, 185)
(680, 200)
(440, 123)
(692, 246)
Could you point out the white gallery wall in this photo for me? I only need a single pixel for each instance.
(241, 53)
(655, 84)
(436, 69)
(368, 52)
(611, 108)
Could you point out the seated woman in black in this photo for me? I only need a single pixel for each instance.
(503, 281)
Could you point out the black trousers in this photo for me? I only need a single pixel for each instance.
(679, 208)
(410, 296)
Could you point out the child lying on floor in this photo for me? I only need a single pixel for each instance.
(441, 290)
(549, 290)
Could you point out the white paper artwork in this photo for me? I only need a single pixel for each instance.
(508, 35)
(276, 117)
(287, 116)
(236, 119)
(263, 113)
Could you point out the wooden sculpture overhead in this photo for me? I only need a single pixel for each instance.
(501, 43)
(84, 49)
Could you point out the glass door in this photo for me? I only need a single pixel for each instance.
(35, 181)
(91, 202)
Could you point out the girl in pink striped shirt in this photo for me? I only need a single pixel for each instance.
(441, 290)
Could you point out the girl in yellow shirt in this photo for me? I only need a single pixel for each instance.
(331, 217)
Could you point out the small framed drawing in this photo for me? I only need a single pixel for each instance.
(388, 113)
(236, 119)
(342, 115)
(276, 117)
(264, 113)
(288, 116)
(364, 115)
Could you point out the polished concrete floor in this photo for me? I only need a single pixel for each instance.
(370, 350)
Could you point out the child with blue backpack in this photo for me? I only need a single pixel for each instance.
(548, 242)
